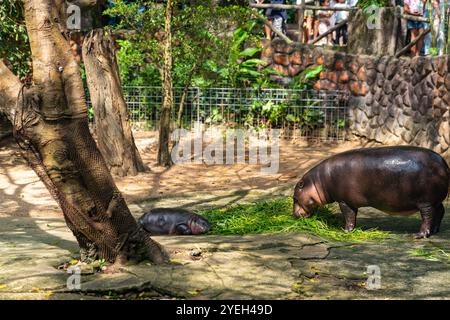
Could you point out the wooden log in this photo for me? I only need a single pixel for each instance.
(414, 18)
(340, 24)
(412, 43)
(267, 23)
(301, 15)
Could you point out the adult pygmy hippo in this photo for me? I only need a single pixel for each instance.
(168, 221)
(397, 180)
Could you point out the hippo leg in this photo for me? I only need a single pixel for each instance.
(349, 216)
(428, 213)
(183, 229)
(437, 218)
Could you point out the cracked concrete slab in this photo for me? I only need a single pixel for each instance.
(280, 266)
(34, 241)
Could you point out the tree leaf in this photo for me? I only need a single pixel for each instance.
(249, 52)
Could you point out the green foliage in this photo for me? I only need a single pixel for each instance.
(303, 79)
(215, 117)
(275, 216)
(242, 67)
(364, 4)
(198, 40)
(271, 111)
(274, 112)
(311, 118)
(133, 69)
(14, 46)
(433, 51)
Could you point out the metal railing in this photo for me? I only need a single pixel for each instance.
(300, 9)
(307, 114)
(436, 19)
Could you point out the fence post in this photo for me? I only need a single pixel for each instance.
(301, 14)
(198, 104)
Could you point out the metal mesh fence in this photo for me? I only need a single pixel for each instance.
(309, 114)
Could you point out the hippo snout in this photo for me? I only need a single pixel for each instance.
(299, 212)
(199, 225)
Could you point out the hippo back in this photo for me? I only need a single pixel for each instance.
(387, 178)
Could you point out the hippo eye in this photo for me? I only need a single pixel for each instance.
(300, 184)
(161, 221)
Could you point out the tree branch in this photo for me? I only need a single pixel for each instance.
(86, 3)
(412, 43)
(340, 24)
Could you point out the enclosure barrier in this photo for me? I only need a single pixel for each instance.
(436, 16)
(299, 114)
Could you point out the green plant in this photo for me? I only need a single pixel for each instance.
(341, 123)
(242, 67)
(275, 216)
(199, 44)
(271, 112)
(134, 71)
(364, 4)
(303, 79)
(311, 118)
(433, 51)
(13, 37)
(432, 253)
(215, 117)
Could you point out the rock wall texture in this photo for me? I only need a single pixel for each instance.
(393, 100)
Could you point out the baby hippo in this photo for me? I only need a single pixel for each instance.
(168, 221)
(397, 180)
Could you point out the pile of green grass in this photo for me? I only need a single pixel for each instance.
(275, 216)
(432, 253)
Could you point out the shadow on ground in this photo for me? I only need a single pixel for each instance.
(34, 240)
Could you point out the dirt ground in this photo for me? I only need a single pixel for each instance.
(34, 240)
(21, 191)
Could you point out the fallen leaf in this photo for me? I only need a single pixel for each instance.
(193, 292)
(174, 260)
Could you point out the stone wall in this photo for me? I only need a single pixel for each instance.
(393, 101)
(384, 39)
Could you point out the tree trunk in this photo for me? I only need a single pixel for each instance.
(164, 158)
(5, 127)
(185, 93)
(50, 124)
(112, 127)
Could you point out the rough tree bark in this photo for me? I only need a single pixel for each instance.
(50, 123)
(164, 158)
(185, 92)
(5, 127)
(111, 122)
(112, 127)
